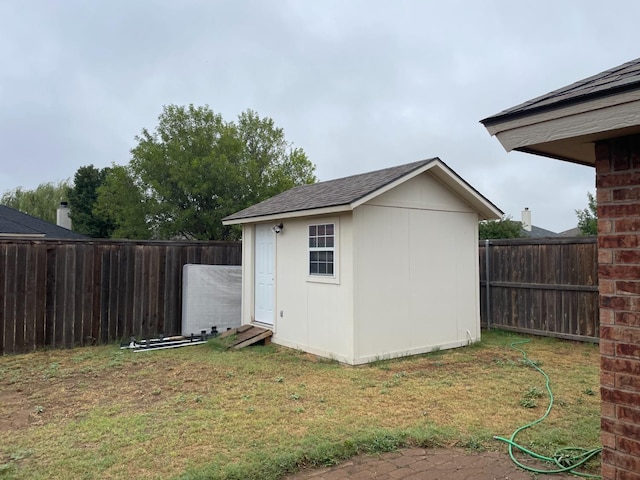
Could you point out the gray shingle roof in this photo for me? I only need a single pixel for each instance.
(538, 232)
(14, 222)
(332, 193)
(572, 232)
(609, 82)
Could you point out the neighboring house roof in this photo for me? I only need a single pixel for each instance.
(614, 80)
(14, 223)
(572, 232)
(346, 193)
(565, 123)
(537, 232)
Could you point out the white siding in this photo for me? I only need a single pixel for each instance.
(422, 192)
(416, 286)
(248, 256)
(406, 277)
(316, 315)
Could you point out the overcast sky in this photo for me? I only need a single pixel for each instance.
(359, 85)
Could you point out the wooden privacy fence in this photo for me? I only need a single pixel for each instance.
(62, 293)
(541, 286)
(56, 293)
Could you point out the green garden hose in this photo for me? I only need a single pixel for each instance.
(568, 459)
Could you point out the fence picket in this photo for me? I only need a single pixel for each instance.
(57, 293)
(544, 286)
(61, 293)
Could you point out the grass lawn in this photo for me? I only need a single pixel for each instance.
(257, 413)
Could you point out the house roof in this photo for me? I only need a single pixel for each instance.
(538, 232)
(346, 193)
(15, 223)
(566, 123)
(572, 232)
(613, 81)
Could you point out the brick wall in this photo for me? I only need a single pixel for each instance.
(618, 194)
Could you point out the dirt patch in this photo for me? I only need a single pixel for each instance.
(39, 399)
(15, 410)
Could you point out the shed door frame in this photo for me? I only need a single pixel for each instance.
(265, 275)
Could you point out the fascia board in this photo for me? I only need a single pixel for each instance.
(579, 125)
(284, 216)
(551, 113)
(481, 205)
(22, 235)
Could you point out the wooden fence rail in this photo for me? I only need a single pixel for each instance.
(56, 293)
(76, 292)
(541, 286)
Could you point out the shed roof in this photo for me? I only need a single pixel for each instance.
(15, 223)
(612, 81)
(347, 192)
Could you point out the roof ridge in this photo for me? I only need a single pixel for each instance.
(349, 177)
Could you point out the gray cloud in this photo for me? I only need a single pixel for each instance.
(358, 85)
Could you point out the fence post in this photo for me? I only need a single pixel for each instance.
(487, 282)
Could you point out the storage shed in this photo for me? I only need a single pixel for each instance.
(371, 266)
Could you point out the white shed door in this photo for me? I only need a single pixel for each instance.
(265, 275)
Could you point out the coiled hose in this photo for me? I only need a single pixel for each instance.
(568, 459)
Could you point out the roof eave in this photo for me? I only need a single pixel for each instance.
(484, 208)
(515, 113)
(21, 235)
(478, 202)
(564, 158)
(286, 215)
(568, 132)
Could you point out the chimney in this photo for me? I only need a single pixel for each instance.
(526, 219)
(62, 216)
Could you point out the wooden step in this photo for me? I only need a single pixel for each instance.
(247, 335)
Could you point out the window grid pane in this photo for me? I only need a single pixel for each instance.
(321, 248)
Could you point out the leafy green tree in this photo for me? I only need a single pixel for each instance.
(503, 228)
(42, 202)
(82, 200)
(120, 202)
(588, 217)
(195, 168)
(270, 163)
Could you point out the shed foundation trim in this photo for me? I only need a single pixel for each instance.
(372, 358)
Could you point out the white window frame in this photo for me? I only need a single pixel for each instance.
(323, 277)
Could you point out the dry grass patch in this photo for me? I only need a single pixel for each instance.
(100, 412)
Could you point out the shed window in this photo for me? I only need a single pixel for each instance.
(321, 249)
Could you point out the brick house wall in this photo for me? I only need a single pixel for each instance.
(618, 195)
